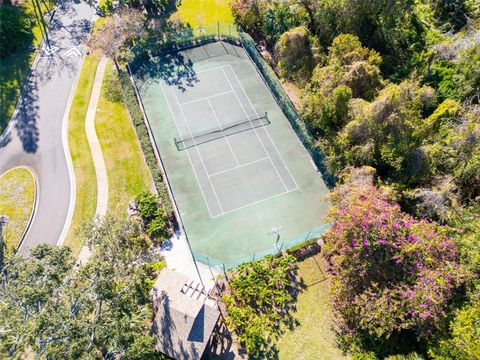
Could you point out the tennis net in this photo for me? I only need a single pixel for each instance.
(217, 133)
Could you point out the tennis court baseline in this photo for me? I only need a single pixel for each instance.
(234, 169)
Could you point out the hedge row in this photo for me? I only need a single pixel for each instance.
(133, 108)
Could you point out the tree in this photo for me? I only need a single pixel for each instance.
(117, 32)
(259, 300)
(15, 29)
(100, 310)
(392, 273)
(294, 54)
(351, 72)
(278, 19)
(249, 15)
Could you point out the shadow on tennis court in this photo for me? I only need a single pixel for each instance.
(175, 68)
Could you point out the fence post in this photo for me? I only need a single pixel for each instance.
(224, 271)
(218, 29)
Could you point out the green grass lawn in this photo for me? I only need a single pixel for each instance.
(14, 68)
(86, 183)
(314, 337)
(128, 173)
(205, 13)
(17, 193)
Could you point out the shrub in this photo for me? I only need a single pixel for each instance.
(294, 54)
(259, 301)
(153, 215)
(392, 274)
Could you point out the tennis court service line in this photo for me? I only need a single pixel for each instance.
(254, 129)
(239, 166)
(188, 155)
(206, 98)
(198, 152)
(248, 98)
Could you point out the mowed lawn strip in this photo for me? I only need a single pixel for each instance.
(86, 183)
(15, 67)
(128, 173)
(314, 338)
(17, 194)
(205, 13)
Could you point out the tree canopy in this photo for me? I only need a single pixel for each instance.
(55, 309)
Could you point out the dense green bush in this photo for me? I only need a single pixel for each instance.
(294, 55)
(153, 215)
(259, 300)
(15, 29)
(278, 19)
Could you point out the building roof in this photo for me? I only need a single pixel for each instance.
(183, 322)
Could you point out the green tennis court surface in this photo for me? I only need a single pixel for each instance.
(235, 165)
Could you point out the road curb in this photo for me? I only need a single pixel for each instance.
(36, 191)
(66, 148)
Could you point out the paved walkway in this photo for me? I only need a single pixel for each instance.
(37, 134)
(178, 257)
(96, 150)
(175, 250)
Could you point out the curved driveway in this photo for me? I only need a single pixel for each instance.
(36, 135)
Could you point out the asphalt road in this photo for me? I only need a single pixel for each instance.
(36, 135)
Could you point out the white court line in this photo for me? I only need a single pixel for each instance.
(211, 69)
(198, 151)
(223, 132)
(255, 203)
(254, 129)
(238, 167)
(206, 98)
(280, 156)
(188, 155)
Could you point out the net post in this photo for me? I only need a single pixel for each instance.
(218, 29)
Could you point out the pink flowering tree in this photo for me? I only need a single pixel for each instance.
(393, 274)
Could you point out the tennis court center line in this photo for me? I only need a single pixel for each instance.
(225, 136)
(256, 133)
(198, 152)
(248, 98)
(188, 155)
(255, 202)
(239, 166)
(206, 98)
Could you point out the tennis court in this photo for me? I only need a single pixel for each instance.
(235, 166)
(233, 169)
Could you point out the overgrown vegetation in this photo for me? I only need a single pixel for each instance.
(394, 86)
(53, 309)
(259, 300)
